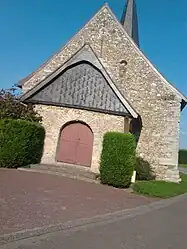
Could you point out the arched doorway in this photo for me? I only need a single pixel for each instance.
(75, 144)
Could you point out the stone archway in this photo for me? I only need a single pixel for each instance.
(75, 144)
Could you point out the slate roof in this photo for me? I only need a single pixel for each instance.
(82, 82)
(81, 86)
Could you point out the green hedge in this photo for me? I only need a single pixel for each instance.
(117, 159)
(21, 143)
(183, 157)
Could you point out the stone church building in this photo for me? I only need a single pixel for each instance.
(101, 81)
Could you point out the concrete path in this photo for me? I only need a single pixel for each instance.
(159, 226)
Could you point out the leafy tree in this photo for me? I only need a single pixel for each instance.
(12, 108)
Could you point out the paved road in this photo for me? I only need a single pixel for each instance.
(161, 228)
(29, 200)
(183, 170)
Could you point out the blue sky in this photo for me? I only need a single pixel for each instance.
(32, 30)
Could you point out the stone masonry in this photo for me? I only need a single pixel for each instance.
(55, 117)
(153, 98)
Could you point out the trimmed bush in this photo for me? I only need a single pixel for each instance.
(183, 157)
(117, 159)
(144, 172)
(21, 143)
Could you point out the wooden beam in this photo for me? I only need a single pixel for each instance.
(127, 121)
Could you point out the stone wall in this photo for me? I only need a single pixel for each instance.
(55, 117)
(153, 98)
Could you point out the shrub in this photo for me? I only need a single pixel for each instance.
(12, 108)
(21, 143)
(183, 157)
(117, 159)
(144, 172)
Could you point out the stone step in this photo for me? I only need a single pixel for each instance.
(69, 171)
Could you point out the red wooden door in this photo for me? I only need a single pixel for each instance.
(76, 145)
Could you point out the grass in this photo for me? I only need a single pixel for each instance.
(183, 165)
(161, 189)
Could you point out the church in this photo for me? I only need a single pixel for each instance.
(101, 81)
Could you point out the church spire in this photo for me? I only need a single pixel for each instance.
(129, 20)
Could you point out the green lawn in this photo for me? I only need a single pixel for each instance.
(160, 188)
(183, 165)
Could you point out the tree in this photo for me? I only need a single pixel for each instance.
(12, 108)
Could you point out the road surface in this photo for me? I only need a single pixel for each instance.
(183, 170)
(164, 227)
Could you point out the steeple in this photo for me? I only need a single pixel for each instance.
(129, 20)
